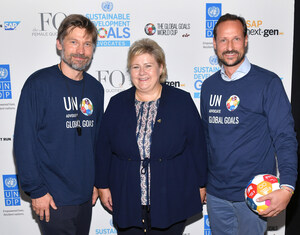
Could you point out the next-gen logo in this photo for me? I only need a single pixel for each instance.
(175, 84)
(254, 28)
(5, 84)
(11, 25)
(113, 28)
(11, 190)
(213, 13)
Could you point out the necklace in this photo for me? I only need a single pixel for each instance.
(138, 97)
(78, 128)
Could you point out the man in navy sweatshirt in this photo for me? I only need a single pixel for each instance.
(248, 124)
(57, 122)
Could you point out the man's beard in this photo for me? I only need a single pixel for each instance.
(238, 60)
(78, 67)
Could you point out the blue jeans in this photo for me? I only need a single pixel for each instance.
(233, 218)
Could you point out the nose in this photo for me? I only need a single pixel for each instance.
(229, 45)
(80, 49)
(142, 71)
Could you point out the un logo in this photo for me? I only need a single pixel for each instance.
(3, 73)
(213, 11)
(10, 182)
(213, 60)
(107, 6)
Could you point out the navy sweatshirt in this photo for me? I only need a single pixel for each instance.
(247, 122)
(51, 157)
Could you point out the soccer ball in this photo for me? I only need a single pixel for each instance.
(259, 186)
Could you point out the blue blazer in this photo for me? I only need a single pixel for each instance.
(178, 159)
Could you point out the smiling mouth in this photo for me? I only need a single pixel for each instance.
(230, 53)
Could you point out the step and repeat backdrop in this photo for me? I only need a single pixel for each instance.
(28, 30)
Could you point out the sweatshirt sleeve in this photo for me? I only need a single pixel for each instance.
(281, 125)
(197, 142)
(103, 152)
(26, 142)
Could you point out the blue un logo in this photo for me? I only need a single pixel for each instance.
(207, 230)
(5, 85)
(11, 190)
(213, 13)
(107, 6)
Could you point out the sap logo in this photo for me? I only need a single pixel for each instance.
(254, 23)
(11, 25)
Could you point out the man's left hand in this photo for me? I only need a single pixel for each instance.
(279, 200)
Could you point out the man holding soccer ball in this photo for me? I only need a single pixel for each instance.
(248, 123)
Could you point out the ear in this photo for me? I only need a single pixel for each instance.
(215, 44)
(58, 45)
(246, 41)
(161, 69)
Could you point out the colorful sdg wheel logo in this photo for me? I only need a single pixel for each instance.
(102, 33)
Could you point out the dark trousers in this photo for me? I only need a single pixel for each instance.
(175, 229)
(72, 220)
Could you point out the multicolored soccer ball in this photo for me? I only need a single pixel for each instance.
(86, 107)
(232, 103)
(259, 186)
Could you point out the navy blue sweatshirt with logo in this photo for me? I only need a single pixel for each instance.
(50, 155)
(247, 122)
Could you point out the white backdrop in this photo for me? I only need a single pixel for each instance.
(182, 28)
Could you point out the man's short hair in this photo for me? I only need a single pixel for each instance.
(74, 21)
(231, 17)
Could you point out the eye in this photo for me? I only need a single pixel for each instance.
(88, 44)
(135, 67)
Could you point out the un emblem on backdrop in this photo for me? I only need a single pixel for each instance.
(213, 11)
(11, 182)
(11, 190)
(3, 73)
(213, 60)
(107, 6)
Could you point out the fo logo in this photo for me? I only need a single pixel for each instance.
(11, 190)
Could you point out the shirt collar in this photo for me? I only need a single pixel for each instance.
(239, 73)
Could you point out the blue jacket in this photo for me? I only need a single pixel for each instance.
(178, 159)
